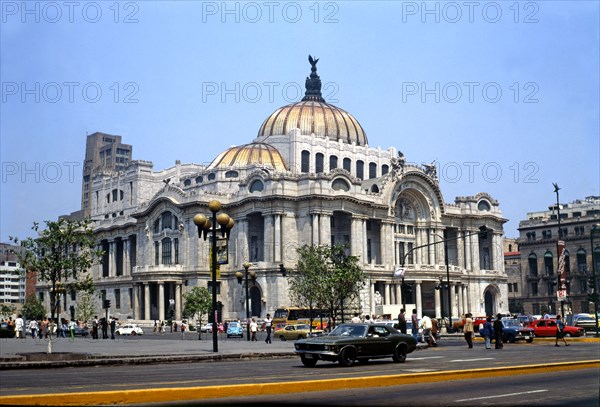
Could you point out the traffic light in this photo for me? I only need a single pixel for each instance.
(282, 270)
(592, 287)
(106, 304)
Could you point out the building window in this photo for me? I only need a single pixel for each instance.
(256, 186)
(567, 262)
(231, 174)
(533, 268)
(583, 285)
(347, 164)
(534, 288)
(199, 180)
(483, 206)
(410, 259)
(581, 261)
(375, 189)
(515, 288)
(187, 182)
(340, 185)
(212, 176)
(176, 249)
(305, 161)
(157, 226)
(597, 257)
(319, 163)
(548, 263)
(105, 258)
(117, 298)
(385, 169)
(550, 288)
(360, 169)
(209, 285)
(333, 162)
(156, 253)
(166, 251)
(372, 170)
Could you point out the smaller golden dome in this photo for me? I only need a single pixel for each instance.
(249, 154)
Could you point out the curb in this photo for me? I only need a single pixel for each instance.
(213, 392)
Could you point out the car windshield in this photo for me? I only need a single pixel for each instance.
(510, 322)
(233, 324)
(349, 330)
(299, 327)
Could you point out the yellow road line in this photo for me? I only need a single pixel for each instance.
(210, 392)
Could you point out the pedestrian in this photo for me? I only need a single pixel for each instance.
(368, 319)
(20, 326)
(434, 332)
(560, 331)
(64, 328)
(355, 319)
(415, 324)
(488, 332)
(402, 320)
(426, 333)
(498, 331)
(113, 327)
(469, 330)
(546, 315)
(155, 326)
(253, 329)
(268, 325)
(33, 328)
(95, 327)
(104, 327)
(182, 326)
(44, 328)
(72, 326)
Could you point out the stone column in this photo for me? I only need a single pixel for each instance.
(325, 229)
(475, 245)
(461, 309)
(460, 249)
(315, 229)
(147, 301)
(277, 238)
(177, 301)
(439, 248)
(268, 237)
(136, 301)
(438, 308)
(452, 300)
(126, 262)
(388, 294)
(112, 264)
(161, 301)
(242, 251)
(372, 298)
(398, 294)
(431, 249)
(419, 299)
(468, 251)
(496, 252)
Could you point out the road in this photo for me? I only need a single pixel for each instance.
(447, 358)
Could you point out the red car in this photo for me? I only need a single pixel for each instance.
(547, 327)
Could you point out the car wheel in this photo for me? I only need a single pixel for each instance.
(568, 335)
(133, 333)
(282, 337)
(308, 362)
(511, 338)
(529, 340)
(400, 354)
(347, 357)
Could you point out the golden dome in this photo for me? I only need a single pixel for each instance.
(315, 117)
(248, 154)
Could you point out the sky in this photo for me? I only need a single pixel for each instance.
(504, 95)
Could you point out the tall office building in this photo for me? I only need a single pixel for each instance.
(104, 154)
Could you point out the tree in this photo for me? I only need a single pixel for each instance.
(62, 256)
(197, 303)
(6, 310)
(86, 307)
(33, 308)
(346, 278)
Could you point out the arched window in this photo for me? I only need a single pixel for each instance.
(385, 169)
(372, 170)
(581, 260)
(256, 186)
(212, 176)
(305, 161)
(548, 263)
(199, 179)
(483, 206)
(340, 185)
(319, 163)
(510, 248)
(333, 162)
(166, 221)
(375, 189)
(360, 169)
(231, 174)
(187, 182)
(533, 267)
(347, 165)
(157, 225)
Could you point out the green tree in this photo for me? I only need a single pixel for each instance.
(86, 307)
(61, 255)
(197, 303)
(6, 310)
(346, 278)
(33, 308)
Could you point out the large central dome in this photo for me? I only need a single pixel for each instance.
(314, 116)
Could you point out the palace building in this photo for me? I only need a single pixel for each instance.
(308, 177)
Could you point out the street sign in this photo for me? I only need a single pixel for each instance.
(561, 295)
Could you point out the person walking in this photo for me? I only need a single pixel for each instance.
(469, 330)
(560, 331)
(253, 329)
(113, 327)
(355, 318)
(72, 325)
(434, 332)
(268, 326)
(104, 327)
(95, 327)
(402, 321)
(20, 327)
(33, 328)
(415, 324)
(488, 332)
(498, 331)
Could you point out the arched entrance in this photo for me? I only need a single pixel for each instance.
(489, 303)
(255, 302)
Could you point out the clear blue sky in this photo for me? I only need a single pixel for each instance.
(516, 83)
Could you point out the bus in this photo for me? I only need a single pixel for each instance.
(298, 315)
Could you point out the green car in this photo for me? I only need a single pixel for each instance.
(350, 343)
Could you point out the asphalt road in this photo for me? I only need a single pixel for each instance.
(447, 358)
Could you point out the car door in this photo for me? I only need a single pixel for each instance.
(289, 332)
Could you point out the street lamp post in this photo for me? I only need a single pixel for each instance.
(206, 226)
(239, 276)
(560, 259)
(482, 232)
(595, 228)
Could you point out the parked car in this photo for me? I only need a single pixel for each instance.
(6, 331)
(585, 321)
(297, 331)
(206, 328)
(235, 329)
(129, 329)
(513, 330)
(547, 327)
(350, 343)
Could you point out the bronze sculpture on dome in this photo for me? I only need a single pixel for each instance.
(313, 83)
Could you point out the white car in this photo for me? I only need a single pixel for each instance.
(129, 329)
(206, 328)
